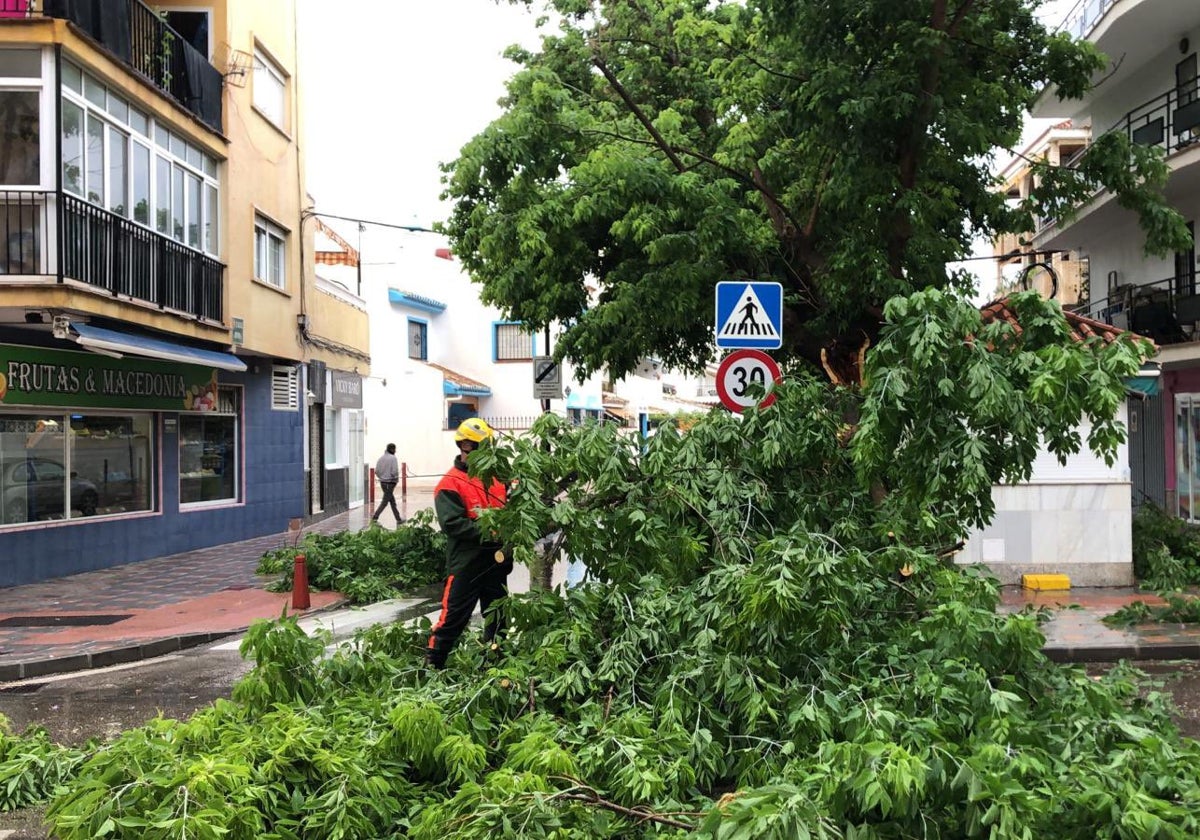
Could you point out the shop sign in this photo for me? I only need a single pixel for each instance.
(347, 389)
(35, 376)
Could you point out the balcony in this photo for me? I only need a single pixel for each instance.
(139, 38)
(1169, 121)
(1166, 311)
(48, 234)
(1084, 16)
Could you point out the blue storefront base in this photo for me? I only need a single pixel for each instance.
(272, 443)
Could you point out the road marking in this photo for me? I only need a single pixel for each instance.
(85, 672)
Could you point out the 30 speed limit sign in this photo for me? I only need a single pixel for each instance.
(739, 371)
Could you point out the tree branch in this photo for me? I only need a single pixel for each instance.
(637, 111)
(641, 814)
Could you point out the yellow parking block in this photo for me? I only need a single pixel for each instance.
(1042, 583)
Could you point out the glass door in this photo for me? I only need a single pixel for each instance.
(355, 457)
(1187, 462)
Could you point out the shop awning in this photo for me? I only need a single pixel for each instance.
(114, 341)
(588, 402)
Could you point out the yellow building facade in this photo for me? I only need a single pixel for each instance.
(170, 374)
(1060, 275)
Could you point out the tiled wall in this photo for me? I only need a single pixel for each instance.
(274, 494)
(1081, 530)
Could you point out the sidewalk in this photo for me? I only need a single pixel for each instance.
(148, 609)
(154, 607)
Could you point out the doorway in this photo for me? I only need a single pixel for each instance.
(316, 458)
(356, 458)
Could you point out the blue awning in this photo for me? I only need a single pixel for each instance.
(589, 402)
(114, 341)
(1147, 386)
(414, 301)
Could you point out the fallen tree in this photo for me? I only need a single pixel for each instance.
(762, 650)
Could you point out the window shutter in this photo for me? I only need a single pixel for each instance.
(285, 388)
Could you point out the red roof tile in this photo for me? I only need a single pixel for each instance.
(1082, 328)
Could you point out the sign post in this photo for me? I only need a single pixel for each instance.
(739, 371)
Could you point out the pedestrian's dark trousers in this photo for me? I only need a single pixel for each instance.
(388, 499)
(483, 581)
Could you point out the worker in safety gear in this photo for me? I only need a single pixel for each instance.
(477, 567)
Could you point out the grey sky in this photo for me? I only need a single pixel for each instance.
(391, 88)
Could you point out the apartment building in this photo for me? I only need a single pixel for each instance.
(1149, 92)
(1055, 275)
(166, 359)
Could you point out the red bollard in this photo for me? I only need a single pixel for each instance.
(371, 484)
(300, 600)
(404, 480)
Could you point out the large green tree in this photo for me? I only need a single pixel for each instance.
(654, 147)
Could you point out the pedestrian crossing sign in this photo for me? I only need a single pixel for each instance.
(749, 314)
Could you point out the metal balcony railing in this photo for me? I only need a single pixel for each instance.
(1166, 311)
(137, 36)
(51, 234)
(1169, 121)
(1084, 16)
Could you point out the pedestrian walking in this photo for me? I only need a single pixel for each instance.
(477, 566)
(387, 470)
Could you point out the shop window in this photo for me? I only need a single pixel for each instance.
(579, 416)
(56, 467)
(331, 437)
(113, 454)
(209, 463)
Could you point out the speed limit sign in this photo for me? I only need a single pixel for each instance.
(742, 369)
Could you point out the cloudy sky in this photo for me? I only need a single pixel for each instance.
(392, 88)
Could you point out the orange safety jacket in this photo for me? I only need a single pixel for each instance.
(457, 499)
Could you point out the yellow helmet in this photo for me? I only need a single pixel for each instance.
(474, 430)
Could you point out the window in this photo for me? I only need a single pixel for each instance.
(285, 388)
(56, 467)
(1187, 448)
(331, 436)
(511, 343)
(208, 452)
(115, 156)
(269, 253)
(418, 339)
(192, 27)
(20, 138)
(270, 90)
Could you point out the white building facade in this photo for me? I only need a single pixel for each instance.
(1150, 93)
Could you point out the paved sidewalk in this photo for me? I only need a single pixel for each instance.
(147, 609)
(1077, 633)
(150, 608)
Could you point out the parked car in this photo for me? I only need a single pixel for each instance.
(33, 489)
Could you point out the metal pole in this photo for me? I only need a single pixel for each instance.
(546, 403)
(358, 259)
